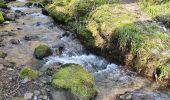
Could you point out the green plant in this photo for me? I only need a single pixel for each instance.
(1, 17)
(29, 73)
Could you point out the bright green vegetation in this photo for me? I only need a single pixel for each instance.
(163, 72)
(146, 45)
(76, 79)
(29, 73)
(1, 17)
(116, 32)
(104, 20)
(42, 51)
(156, 8)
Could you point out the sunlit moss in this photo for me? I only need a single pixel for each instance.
(104, 20)
(29, 73)
(77, 79)
(1, 17)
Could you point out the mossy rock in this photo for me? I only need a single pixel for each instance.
(42, 51)
(29, 73)
(1, 17)
(105, 19)
(3, 54)
(75, 78)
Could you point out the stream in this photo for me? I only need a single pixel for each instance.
(112, 80)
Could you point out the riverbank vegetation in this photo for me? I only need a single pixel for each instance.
(117, 33)
(1, 17)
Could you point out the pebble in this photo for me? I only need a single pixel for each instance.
(36, 92)
(25, 80)
(10, 69)
(45, 97)
(1, 67)
(28, 96)
(14, 41)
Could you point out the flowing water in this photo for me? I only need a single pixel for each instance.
(111, 79)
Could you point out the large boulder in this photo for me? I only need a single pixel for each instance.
(42, 51)
(77, 80)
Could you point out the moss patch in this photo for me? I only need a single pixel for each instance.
(1, 17)
(29, 73)
(104, 20)
(78, 80)
(42, 51)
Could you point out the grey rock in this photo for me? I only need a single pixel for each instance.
(14, 41)
(28, 96)
(37, 93)
(1, 67)
(45, 97)
(31, 37)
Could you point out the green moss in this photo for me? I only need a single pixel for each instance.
(42, 51)
(104, 20)
(144, 42)
(29, 73)
(77, 79)
(1, 17)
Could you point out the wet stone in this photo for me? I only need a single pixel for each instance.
(37, 93)
(1, 67)
(28, 96)
(14, 41)
(3, 54)
(31, 37)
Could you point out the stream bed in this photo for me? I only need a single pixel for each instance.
(112, 80)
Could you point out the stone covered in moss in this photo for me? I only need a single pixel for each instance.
(42, 51)
(1, 17)
(76, 79)
(29, 73)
